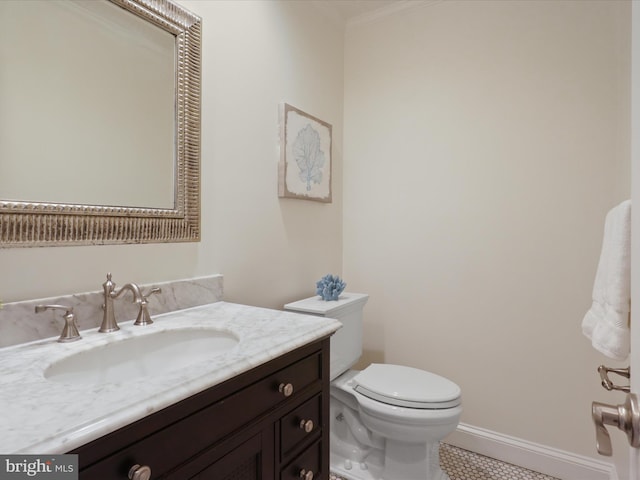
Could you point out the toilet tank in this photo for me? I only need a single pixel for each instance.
(346, 343)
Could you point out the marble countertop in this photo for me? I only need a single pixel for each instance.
(38, 416)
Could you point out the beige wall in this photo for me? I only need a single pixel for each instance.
(484, 143)
(255, 55)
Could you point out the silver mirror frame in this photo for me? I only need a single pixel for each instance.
(37, 224)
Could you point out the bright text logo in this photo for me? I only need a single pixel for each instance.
(50, 467)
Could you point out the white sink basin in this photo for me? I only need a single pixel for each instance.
(149, 355)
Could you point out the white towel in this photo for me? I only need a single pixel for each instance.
(607, 322)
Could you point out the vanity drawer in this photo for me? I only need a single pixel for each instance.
(298, 377)
(306, 465)
(305, 422)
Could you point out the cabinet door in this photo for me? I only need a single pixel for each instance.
(242, 463)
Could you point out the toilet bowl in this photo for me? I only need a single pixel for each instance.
(386, 421)
(397, 437)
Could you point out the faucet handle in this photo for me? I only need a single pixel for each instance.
(143, 314)
(70, 331)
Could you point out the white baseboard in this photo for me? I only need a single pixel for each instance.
(541, 458)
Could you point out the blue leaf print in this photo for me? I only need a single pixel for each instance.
(308, 155)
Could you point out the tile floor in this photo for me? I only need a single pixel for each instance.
(461, 464)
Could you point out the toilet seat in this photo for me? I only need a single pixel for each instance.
(407, 387)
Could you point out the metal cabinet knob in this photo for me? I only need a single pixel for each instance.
(306, 474)
(138, 472)
(306, 425)
(286, 389)
(626, 417)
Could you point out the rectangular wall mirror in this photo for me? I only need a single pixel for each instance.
(99, 122)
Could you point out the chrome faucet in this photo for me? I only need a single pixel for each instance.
(109, 323)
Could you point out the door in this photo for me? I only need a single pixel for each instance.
(634, 453)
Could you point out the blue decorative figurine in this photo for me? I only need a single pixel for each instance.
(330, 287)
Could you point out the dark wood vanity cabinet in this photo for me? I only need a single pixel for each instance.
(270, 423)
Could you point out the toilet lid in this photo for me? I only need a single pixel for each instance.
(407, 387)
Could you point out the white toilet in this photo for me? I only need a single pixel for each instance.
(386, 420)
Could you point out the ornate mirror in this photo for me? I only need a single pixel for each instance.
(99, 122)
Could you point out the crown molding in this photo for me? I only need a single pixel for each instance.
(387, 10)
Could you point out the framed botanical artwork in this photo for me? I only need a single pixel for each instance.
(305, 156)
